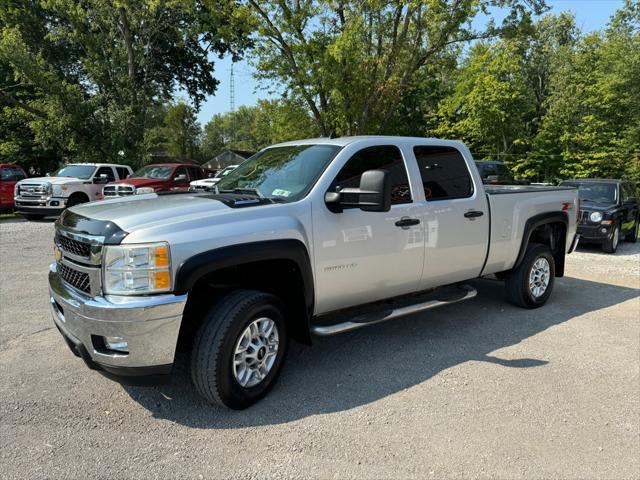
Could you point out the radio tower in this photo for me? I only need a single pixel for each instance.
(232, 104)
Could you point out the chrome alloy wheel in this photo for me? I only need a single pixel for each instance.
(255, 353)
(539, 277)
(616, 237)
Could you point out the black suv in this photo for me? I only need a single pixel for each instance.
(494, 173)
(609, 211)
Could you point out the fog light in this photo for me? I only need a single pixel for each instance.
(603, 230)
(116, 343)
(54, 204)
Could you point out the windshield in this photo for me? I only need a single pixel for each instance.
(282, 173)
(76, 171)
(604, 193)
(157, 172)
(11, 174)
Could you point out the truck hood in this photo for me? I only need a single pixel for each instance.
(140, 182)
(148, 210)
(54, 180)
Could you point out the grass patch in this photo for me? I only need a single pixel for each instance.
(7, 216)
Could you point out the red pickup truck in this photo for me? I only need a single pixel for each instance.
(160, 177)
(9, 175)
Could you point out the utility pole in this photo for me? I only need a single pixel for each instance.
(232, 105)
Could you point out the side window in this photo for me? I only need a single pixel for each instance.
(122, 172)
(108, 171)
(387, 158)
(444, 173)
(181, 171)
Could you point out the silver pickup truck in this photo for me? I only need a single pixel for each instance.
(308, 237)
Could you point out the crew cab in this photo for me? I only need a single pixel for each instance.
(70, 185)
(160, 177)
(609, 211)
(10, 174)
(312, 237)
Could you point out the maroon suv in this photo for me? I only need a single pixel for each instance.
(160, 177)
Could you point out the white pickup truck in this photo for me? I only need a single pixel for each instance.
(70, 185)
(308, 237)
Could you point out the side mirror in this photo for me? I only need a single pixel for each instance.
(180, 178)
(373, 195)
(101, 179)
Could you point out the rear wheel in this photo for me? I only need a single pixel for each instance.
(531, 283)
(610, 245)
(239, 349)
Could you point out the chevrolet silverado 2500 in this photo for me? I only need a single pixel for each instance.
(308, 237)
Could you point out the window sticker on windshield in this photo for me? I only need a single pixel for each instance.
(278, 192)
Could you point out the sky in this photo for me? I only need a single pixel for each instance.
(590, 15)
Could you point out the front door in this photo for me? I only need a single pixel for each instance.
(362, 257)
(456, 217)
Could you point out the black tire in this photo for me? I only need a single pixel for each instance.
(214, 346)
(73, 201)
(632, 236)
(32, 216)
(517, 280)
(610, 245)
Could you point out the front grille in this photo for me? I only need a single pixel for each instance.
(201, 188)
(118, 190)
(32, 190)
(74, 247)
(584, 217)
(79, 280)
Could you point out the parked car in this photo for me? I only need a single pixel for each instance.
(70, 185)
(307, 237)
(10, 174)
(494, 173)
(609, 211)
(207, 183)
(161, 177)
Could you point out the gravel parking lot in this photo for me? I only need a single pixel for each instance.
(478, 389)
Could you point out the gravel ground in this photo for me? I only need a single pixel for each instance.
(479, 389)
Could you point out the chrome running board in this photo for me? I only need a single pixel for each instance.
(464, 292)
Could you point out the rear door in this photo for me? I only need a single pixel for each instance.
(456, 217)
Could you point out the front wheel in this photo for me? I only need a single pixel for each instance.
(530, 284)
(239, 350)
(610, 245)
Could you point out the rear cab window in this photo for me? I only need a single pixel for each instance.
(384, 157)
(444, 172)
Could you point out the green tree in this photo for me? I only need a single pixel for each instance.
(253, 128)
(88, 75)
(491, 104)
(352, 62)
(181, 132)
(592, 124)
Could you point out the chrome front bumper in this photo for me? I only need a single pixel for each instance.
(150, 325)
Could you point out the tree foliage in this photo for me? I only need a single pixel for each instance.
(87, 75)
(351, 62)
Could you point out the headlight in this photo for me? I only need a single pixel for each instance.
(143, 190)
(136, 269)
(595, 217)
(16, 189)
